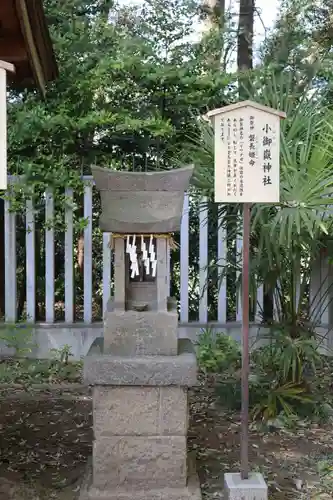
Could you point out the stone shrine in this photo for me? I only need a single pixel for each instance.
(139, 370)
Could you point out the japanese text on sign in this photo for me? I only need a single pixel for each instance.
(267, 141)
(241, 156)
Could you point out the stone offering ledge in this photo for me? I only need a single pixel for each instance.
(158, 370)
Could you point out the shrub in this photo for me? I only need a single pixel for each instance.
(283, 380)
(217, 352)
(27, 371)
(18, 337)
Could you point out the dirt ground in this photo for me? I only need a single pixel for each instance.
(45, 440)
(287, 459)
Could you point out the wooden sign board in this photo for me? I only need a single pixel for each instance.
(247, 153)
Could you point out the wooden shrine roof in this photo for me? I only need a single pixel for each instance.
(25, 42)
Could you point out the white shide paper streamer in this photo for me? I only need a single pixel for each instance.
(148, 256)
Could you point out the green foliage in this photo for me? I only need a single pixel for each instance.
(127, 84)
(275, 400)
(130, 80)
(39, 371)
(217, 352)
(325, 470)
(300, 40)
(282, 381)
(63, 354)
(282, 370)
(286, 238)
(287, 359)
(18, 337)
(21, 370)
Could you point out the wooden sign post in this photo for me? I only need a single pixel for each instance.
(4, 67)
(247, 171)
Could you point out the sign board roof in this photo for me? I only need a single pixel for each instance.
(246, 104)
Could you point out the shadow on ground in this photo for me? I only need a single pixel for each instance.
(45, 440)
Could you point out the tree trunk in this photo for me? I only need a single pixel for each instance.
(245, 44)
(215, 20)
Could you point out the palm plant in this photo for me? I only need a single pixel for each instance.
(286, 238)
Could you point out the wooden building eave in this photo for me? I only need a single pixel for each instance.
(25, 42)
(38, 42)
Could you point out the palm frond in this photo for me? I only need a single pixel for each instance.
(285, 237)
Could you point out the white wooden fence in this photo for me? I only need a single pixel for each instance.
(11, 263)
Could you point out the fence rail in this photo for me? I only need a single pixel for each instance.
(49, 240)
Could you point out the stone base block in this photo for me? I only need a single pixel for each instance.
(253, 488)
(103, 369)
(140, 411)
(139, 462)
(189, 492)
(132, 333)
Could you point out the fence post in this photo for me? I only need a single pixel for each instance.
(69, 264)
(106, 270)
(10, 264)
(221, 258)
(49, 257)
(203, 259)
(87, 268)
(30, 262)
(184, 261)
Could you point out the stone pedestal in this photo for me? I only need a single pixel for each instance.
(253, 488)
(140, 416)
(130, 333)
